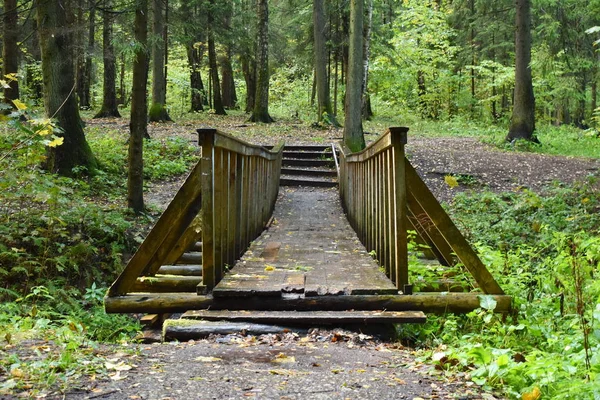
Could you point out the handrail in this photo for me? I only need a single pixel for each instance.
(240, 184)
(335, 158)
(373, 193)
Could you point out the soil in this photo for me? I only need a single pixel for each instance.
(320, 365)
(327, 364)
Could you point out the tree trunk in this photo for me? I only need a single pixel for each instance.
(194, 60)
(261, 100)
(249, 70)
(60, 101)
(10, 50)
(212, 61)
(322, 83)
(353, 130)
(227, 82)
(139, 108)
(109, 93)
(367, 112)
(523, 117)
(84, 78)
(229, 96)
(158, 110)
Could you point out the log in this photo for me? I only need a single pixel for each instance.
(309, 317)
(181, 302)
(183, 330)
(185, 270)
(166, 284)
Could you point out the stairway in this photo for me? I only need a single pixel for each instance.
(310, 165)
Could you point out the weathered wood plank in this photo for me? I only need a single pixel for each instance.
(176, 218)
(190, 237)
(166, 284)
(453, 236)
(182, 269)
(271, 251)
(309, 317)
(206, 140)
(181, 302)
(182, 330)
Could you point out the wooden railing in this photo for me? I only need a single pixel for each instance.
(240, 183)
(373, 193)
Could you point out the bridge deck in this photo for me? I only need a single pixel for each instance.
(309, 250)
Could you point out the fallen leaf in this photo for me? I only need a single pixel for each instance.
(535, 394)
(282, 358)
(451, 181)
(269, 268)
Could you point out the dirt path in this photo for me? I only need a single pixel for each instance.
(320, 365)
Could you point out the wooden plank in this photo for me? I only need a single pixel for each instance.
(370, 151)
(309, 317)
(453, 236)
(293, 282)
(428, 232)
(191, 257)
(166, 284)
(176, 218)
(232, 206)
(181, 302)
(190, 237)
(251, 283)
(185, 270)
(183, 330)
(208, 203)
(271, 251)
(220, 211)
(401, 262)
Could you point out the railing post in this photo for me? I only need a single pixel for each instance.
(206, 139)
(399, 139)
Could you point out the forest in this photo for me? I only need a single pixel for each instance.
(101, 99)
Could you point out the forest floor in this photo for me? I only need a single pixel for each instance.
(333, 364)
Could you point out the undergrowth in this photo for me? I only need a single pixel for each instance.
(545, 252)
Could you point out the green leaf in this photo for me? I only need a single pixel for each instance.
(487, 302)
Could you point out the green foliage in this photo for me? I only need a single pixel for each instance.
(544, 252)
(60, 335)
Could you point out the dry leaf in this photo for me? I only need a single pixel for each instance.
(535, 394)
(451, 181)
(282, 358)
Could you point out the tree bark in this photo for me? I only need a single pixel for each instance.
(194, 60)
(353, 130)
(261, 100)
(84, 76)
(60, 101)
(158, 110)
(212, 61)
(367, 111)
(227, 82)
(139, 108)
(322, 83)
(249, 71)
(10, 50)
(109, 93)
(523, 117)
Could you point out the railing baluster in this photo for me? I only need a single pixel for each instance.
(207, 139)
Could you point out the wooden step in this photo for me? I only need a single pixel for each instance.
(166, 284)
(292, 162)
(309, 172)
(313, 318)
(185, 329)
(313, 155)
(306, 182)
(306, 147)
(197, 246)
(182, 269)
(191, 257)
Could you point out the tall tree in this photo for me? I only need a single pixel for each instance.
(194, 54)
(261, 100)
(109, 92)
(523, 118)
(353, 130)
(138, 126)
(158, 109)
(84, 73)
(367, 111)
(322, 83)
(60, 101)
(227, 82)
(10, 49)
(212, 61)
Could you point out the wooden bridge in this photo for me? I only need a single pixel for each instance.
(235, 245)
